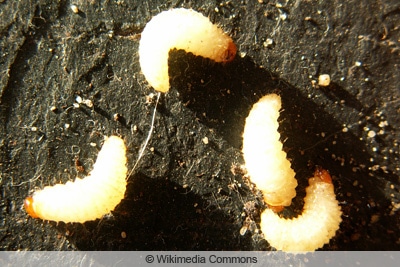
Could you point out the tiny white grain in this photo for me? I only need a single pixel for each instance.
(74, 8)
(324, 80)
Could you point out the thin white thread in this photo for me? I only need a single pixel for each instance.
(148, 136)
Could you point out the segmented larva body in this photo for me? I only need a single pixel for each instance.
(269, 169)
(265, 161)
(89, 198)
(181, 29)
(317, 224)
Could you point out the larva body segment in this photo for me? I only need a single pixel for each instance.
(89, 198)
(265, 161)
(181, 29)
(317, 224)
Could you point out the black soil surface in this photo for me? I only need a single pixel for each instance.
(187, 193)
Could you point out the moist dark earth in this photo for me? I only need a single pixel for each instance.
(189, 191)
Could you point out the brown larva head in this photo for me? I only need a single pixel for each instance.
(28, 204)
(230, 52)
(323, 175)
(276, 209)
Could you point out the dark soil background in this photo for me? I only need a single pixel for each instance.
(187, 194)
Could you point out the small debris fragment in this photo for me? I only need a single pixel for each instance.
(371, 134)
(374, 218)
(88, 103)
(123, 235)
(268, 43)
(283, 15)
(117, 117)
(383, 124)
(205, 140)
(78, 99)
(149, 98)
(74, 9)
(324, 80)
(78, 165)
(243, 230)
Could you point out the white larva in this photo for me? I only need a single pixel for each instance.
(316, 225)
(269, 169)
(265, 161)
(89, 198)
(181, 29)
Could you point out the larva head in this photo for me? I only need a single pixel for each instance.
(230, 53)
(276, 209)
(323, 175)
(28, 204)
